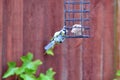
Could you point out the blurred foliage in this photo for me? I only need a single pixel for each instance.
(28, 69)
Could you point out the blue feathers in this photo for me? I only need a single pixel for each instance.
(50, 45)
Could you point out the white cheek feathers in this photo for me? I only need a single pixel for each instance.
(77, 29)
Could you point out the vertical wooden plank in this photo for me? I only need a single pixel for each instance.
(116, 40)
(13, 23)
(108, 39)
(74, 61)
(1, 27)
(92, 49)
(14, 29)
(6, 23)
(17, 27)
(100, 47)
(72, 57)
(41, 20)
(118, 34)
(53, 17)
(33, 29)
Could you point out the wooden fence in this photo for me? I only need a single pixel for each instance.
(28, 25)
(117, 35)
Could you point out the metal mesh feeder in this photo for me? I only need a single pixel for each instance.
(76, 18)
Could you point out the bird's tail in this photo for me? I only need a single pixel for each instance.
(50, 45)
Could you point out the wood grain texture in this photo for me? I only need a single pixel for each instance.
(117, 36)
(93, 51)
(1, 29)
(12, 32)
(28, 25)
(100, 47)
(108, 40)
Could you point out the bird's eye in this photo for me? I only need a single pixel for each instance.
(75, 27)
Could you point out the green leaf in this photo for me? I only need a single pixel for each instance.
(49, 75)
(27, 58)
(19, 71)
(28, 69)
(118, 73)
(33, 65)
(11, 69)
(50, 52)
(28, 77)
(28, 65)
(43, 77)
(50, 72)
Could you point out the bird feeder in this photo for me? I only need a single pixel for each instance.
(77, 18)
(76, 22)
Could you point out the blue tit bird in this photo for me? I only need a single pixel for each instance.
(58, 37)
